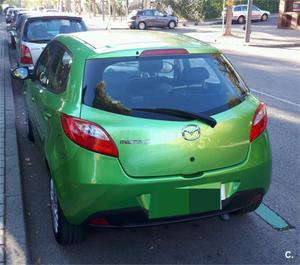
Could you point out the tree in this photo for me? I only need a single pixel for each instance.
(229, 4)
(146, 4)
(91, 6)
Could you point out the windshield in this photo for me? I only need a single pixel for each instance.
(43, 30)
(203, 84)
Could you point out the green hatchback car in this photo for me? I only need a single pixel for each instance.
(144, 128)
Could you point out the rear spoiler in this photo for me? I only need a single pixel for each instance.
(56, 17)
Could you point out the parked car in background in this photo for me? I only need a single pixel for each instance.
(144, 129)
(6, 9)
(15, 26)
(11, 15)
(15, 18)
(52, 10)
(38, 29)
(296, 6)
(143, 19)
(240, 13)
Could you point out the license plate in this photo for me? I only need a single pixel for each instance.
(185, 201)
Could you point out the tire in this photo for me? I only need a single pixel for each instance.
(172, 24)
(30, 134)
(241, 20)
(13, 43)
(64, 232)
(264, 17)
(142, 26)
(249, 208)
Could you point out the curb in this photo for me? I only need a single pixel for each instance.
(15, 229)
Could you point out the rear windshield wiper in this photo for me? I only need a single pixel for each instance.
(182, 114)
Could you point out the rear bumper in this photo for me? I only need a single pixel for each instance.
(138, 217)
(89, 183)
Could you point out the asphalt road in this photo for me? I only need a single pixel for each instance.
(244, 239)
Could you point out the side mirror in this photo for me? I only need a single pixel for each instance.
(20, 73)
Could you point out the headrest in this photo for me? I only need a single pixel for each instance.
(64, 29)
(195, 75)
(151, 66)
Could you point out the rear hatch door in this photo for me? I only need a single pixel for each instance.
(153, 148)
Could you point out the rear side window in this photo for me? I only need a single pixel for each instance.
(195, 83)
(148, 13)
(43, 30)
(53, 67)
(238, 8)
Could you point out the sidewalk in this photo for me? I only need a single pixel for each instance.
(262, 35)
(97, 22)
(2, 154)
(268, 36)
(13, 248)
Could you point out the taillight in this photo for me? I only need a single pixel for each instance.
(88, 135)
(25, 55)
(161, 52)
(133, 18)
(98, 221)
(259, 122)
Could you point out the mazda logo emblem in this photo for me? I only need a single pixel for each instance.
(191, 132)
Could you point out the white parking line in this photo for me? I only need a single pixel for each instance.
(279, 99)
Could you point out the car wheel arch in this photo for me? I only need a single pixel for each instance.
(172, 21)
(241, 17)
(142, 23)
(264, 15)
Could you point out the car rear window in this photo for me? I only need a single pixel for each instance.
(43, 30)
(195, 83)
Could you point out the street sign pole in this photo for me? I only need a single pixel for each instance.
(248, 23)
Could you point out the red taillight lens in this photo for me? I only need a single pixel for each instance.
(99, 221)
(259, 122)
(164, 52)
(88, 135)
(133, 18)
(25, 55)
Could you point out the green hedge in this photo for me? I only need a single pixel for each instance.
(212, 9)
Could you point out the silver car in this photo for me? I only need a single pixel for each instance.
(240, 12)
(38, 29)
(142, 19)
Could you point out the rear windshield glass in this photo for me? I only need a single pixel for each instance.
(43, 30)
(204, 84)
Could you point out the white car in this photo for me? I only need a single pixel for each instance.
(240, 13)
(38, 29)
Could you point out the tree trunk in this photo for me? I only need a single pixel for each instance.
(146, 4)
(94, 7)
(114, 9)
(229, 15)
